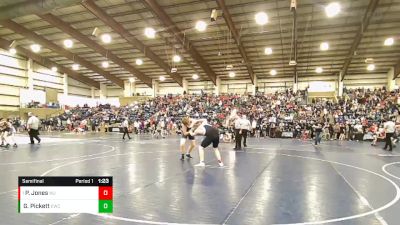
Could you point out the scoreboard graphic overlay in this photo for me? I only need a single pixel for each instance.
(65, 194)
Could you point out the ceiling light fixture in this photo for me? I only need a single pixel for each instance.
(261, 18)
(106, 38)
(319, 70)
(176, 58)
(139, 62)
(332, 9)
(149, 32)
(232, 74)
(36, 48)
(369, 60)
(214, 15)
(131, 79)
(13, 44)
(68, 43)
(324, 46)
(54, 69)
(105, 64)
(195, 76)
(201, 25)
(268, 51)
(75, 66)
(95, 32)
(162, 78)
(371, 67)
(389, 41)
(273, 72)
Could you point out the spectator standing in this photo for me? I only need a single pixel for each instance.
(318, 131)
(331, 131)
(358, 132)
(272, 123)
(373, 130)
(69, 124)
(336, 129)
(136, 127)
(253, 127)
(342, 135)
(347, 131)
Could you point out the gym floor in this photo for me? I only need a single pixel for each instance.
(275, 181)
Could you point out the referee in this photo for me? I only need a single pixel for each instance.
(389, 127)
(238, 134)
(125, 126)
(245, 127)
(33, 128)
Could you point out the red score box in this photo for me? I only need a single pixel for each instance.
(105, 192)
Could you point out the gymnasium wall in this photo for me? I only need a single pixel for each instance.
(77, 88)
(14, 76)
(170, 88)
(114, 91)
(365, 80)
(143, 90)
(272, 84)
(44, 78)
(236, 86)
(195, 87)
(240, 86)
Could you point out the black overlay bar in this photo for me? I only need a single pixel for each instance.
(65, 181)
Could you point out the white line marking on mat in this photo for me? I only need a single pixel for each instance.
(247, 192)
(362, 198)
(388, 173)
(340, 219)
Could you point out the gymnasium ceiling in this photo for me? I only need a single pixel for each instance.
(356, 33)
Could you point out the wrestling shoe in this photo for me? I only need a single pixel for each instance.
(221, 164)
(189, 156)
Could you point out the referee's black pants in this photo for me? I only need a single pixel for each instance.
(238, 139)
(244, 135)
(126, 131)
(34, 134)
(388, 141)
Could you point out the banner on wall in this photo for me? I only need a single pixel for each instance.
(321, 86)
(26, 96)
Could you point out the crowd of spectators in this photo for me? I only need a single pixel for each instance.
(357, 115)
(50, 105)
